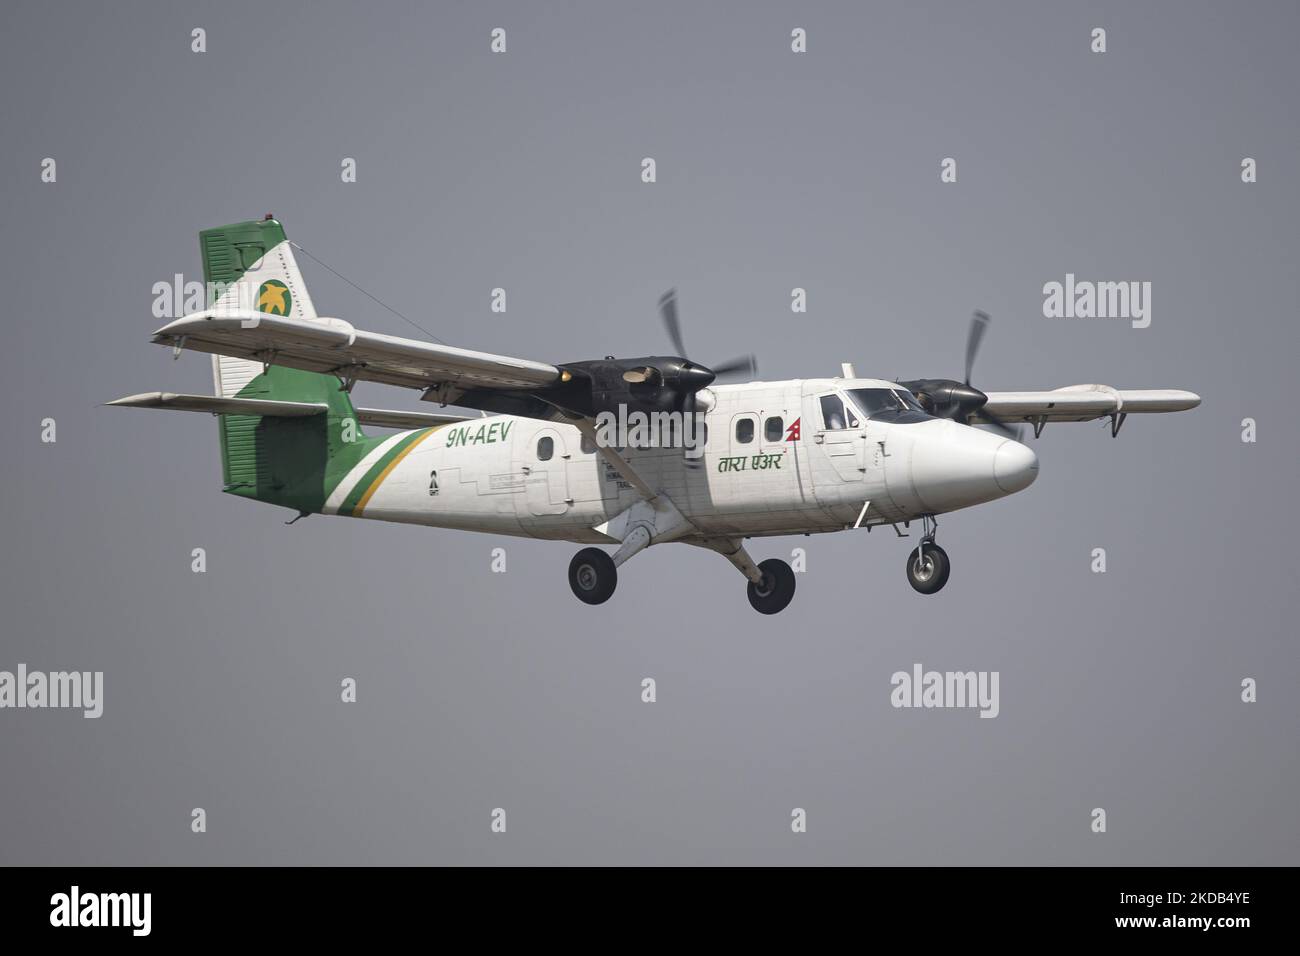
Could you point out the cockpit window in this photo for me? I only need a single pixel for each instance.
(888, 404)
(836, 415)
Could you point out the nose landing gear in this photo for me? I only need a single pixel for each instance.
(928, 565)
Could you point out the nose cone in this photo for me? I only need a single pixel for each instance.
(955, 466)
(1015, 466)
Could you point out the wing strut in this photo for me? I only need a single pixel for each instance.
(621, 464)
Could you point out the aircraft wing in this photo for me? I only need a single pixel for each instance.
(334, 346)
(1083, 403)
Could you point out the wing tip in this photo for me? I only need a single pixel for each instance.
(141, 400)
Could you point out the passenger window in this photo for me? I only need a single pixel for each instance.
(774, 428)
(745, 431)
(545, 448)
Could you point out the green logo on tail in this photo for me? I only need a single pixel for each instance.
(274, 298)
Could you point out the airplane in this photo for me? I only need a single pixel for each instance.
(802, 456)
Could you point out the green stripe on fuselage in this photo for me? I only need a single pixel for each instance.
(349, 505)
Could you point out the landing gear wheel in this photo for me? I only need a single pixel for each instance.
(927, 568)
(593, 576)
(777, 589)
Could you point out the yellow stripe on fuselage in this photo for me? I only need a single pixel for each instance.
(379, 478)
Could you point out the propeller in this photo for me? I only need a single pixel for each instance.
(668, 312)
(743, 367)
(649, 383)
(689, 376)
(961, 401)
(979, 323)
(1000, 426)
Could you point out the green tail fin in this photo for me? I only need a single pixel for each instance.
(294, 462)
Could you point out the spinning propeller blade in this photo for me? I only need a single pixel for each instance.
(1001, 427)
(962, 401)
(978, 323)
(744, 367)
(668, 312)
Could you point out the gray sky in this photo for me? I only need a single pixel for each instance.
(775, 170)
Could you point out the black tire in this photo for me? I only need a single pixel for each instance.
(931, 576)
(777, 590)
(593, 576)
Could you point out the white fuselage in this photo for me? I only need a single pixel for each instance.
(758, 474)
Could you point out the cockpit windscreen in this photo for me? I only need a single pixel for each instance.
(896, 405)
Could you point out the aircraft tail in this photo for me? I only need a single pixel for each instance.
(251, 265)
(289, 461)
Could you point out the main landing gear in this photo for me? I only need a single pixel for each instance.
(928, 565)
(771, 583)
(776, 590)
(593, 574)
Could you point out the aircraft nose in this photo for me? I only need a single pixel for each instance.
(1015, 466)
(955, 466)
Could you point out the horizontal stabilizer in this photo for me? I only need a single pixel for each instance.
(221, 406)
(379, 417)
(386, 418)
